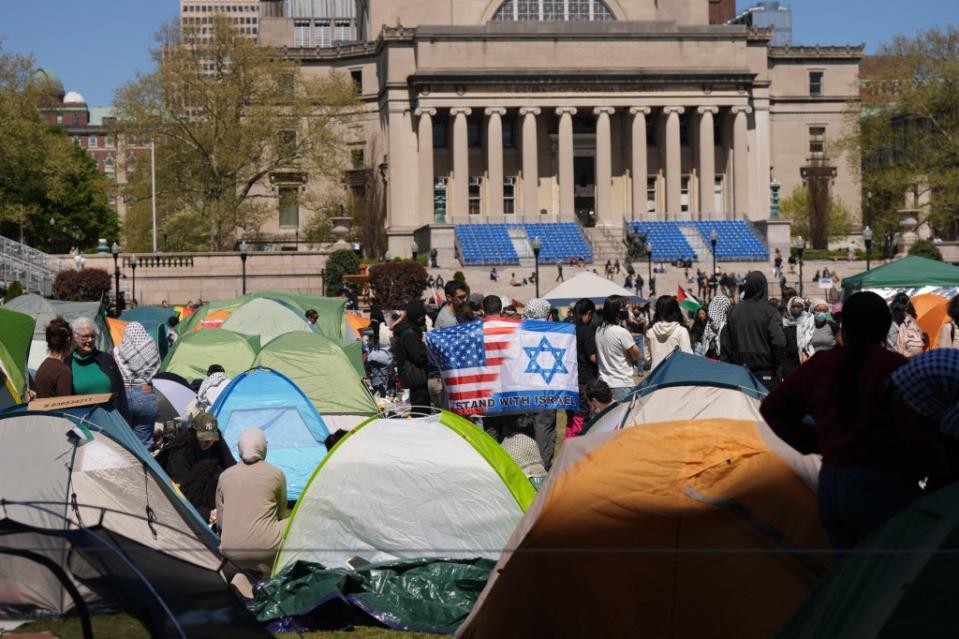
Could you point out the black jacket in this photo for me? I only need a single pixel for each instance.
(410, 352)
(754, 336)
(117, 386)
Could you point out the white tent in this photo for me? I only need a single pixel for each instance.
(434, 486)
(586, 284)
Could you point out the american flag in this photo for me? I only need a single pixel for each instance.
(470, 357)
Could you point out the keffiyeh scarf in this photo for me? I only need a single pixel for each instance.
(536, 309)
(718, 309)
(212, 381)
(805, 326)
(137, 355)
(929, 384)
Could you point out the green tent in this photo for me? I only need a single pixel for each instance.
(908, 273)
(354, 352)
(44, 310)
(330, 310)
(194, 352)
(322, 371)
(267, 319)
(15, 341)
(898, 583)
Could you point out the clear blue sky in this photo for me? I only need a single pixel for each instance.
(97, 45)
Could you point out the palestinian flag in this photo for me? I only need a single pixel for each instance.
(687, 302)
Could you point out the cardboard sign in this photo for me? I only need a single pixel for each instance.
(68, 401)
(825, 283)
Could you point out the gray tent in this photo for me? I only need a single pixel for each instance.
(44, 310)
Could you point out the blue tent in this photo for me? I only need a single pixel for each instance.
(295, 432)
(684, 369)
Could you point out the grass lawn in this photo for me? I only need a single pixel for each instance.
(125, 627)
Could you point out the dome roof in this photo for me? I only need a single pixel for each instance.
(72, 97)
(47, 78)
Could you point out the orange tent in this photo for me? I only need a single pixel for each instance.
(931, 314)
(356, 322)
(213, 319)
(679, 529)
(116, 326)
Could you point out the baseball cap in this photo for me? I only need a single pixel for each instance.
(476, 300)
(205, 426)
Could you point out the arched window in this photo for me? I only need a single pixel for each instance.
(553, 10)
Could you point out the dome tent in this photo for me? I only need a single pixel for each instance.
(295, 432)
(433, 486)
(43, 310)
(267, 319)
(15, 342)
(193, 353)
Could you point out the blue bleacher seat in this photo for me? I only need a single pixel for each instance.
(490, 244)
(735, 240)
(669, 244)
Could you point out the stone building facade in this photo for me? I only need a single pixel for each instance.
(598, 111)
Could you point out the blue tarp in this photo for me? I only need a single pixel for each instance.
(684, 369)
(295, 432)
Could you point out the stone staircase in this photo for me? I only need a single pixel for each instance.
(34, 269)
(606, 243)
(703, 252)
(524, 250)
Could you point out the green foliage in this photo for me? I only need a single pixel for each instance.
(85, 285)
(925, 248)
(396, 284)
(798, 206)
(14, 290)
(459, 277)
(340, 263)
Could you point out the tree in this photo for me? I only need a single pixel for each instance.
(13, 291)
(51, 192)
(230, 122)
(925, 248)
(396, 284)
(816, 215)
(341, 263)
(85, 285)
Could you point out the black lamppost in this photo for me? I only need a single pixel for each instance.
(115, 251)
(649, 256)
(133, 270)
(537, 245)
(244, 249)
(800, 249)
(867, 239)
(713, 238)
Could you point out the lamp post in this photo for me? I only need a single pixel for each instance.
(649, 257)
(800, 249)
(115, 251)
(713, 238)
(867, 240)
(244, 249)
(133, 270)
(415, 249)
(537, 245)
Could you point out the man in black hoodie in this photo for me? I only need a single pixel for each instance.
(411, 354)
(754, 336)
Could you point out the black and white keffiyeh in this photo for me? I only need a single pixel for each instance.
(718, 309)
(929, 384)
(137, 355)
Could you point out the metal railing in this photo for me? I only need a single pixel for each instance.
(35, 270)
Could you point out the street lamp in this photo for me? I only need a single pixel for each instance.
(133, 269)
(244, 249)
(800, 249)
(649, 256)
(867, 240)
(115, 251)
(713, 238)
(414, 247)
(537, 245)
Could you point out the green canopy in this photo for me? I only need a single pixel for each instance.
(194, 352)
(909, 272)
(330, 310)
(322, 371)
(15, 341)
(898, 583)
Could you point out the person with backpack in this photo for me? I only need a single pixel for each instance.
(948, 335)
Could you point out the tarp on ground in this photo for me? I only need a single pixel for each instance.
(330, 310)
(911, 272)
(15, 343)
(899, 582)
(320, 368)
(295, 432)
(435, 486)
(44, 310)
(590, 285)
(194, 352)
(420, 595)
(678, 529)
(267, 319)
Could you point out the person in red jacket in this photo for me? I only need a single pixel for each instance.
(840, 404)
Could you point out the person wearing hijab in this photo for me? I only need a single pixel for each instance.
(251, 506)
(797, 328)
(825, 332)
(839, 404)
(138, 358)
(711, 341)
(754, 335)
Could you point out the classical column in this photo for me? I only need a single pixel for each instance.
(567, 182)
(674, 167)
(425, 163)
(604, 164)
(707, 161)
(740, 160)
(530, 166)
(461, 161)
(494, 158)
(638, 156)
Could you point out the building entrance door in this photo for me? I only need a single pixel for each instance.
(584, 192)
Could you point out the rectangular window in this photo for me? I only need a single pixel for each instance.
(718, 135)
(509, 194)
(509, 133)
(651, 194)
(476, 184)
(301, 33)
(344, 31)
(527, 9)
(439, 200)
(815, 82)
(357, 77)
(324, 35)
(76, 119)
(109, 142)
(356, 158)
(553, 10)
(474, 133)
(92, 142)
(683, 130)
(684, 194)
(817, 140)
(650, 135)
(59, 118)
(718, 194)
(289, 207)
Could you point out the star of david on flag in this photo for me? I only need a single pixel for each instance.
(507, 366)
